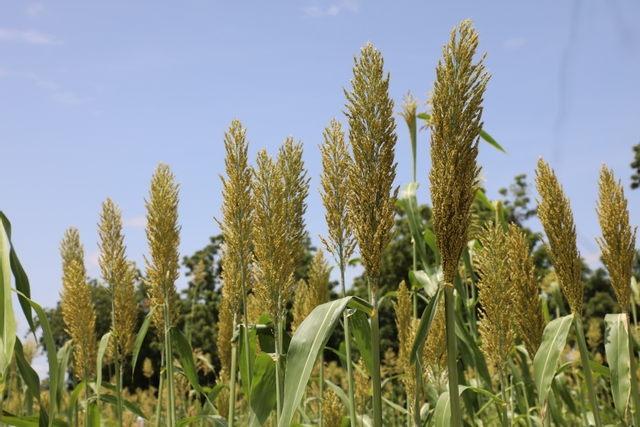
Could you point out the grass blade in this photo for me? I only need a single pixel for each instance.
(186, 358)
(616, 344)
(362, 333)
(93, 415)
(425, 324)
(140, 338)
(32, 380)
(410, 204)
(7, 318)
(263, 400)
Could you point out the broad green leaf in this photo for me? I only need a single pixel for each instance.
(599, 369)
(102, 348)
(310, 338)
(215, 419)
(7, 317)
(469, 349)
(263, 385)
(140, 338)
(52, 357)
(422, 279)
(22, 281)
(264, 332)
(425, 324)
(554, 339)
(242, 357)
(482, 198)
(31, 379)
(411, 208)
(186, 358)
(340, 393)
(361, 330)
(443, 406)
(616, 344)
(561, 389)
(93, 415)
(63, 364)
(430, 240)
(29, 421)
(74, 398)
(128, 405)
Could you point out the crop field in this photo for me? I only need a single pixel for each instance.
(463, 317)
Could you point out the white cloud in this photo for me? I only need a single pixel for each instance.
(513, 44)
(136, 221)
(331, 10)
(42, 83)
(593, 259)
(26, 36)
(35, 9)
(91, 260)
(68, 98)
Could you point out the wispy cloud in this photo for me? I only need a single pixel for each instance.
(592, 259)
(333, 9)
(60, 95)
(92, 260)
(513, 44)
(27, 36)
(35, 9)
(136, 221)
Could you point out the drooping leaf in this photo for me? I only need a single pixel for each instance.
(616, 344)
(215, 419)
(128, 405)
(186, 358)
(361, 330)
(411, 208)
(7, 317)
(140, 338)
(425, 324)
(484, 135)
(74, 398)
(443, 406)
(546, 359)
(242, 357)
(263, 385)
(93, 415)
(102, 348)
(31, 379)
(63, 364)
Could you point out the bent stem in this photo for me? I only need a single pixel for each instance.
(452, 355)
(586, 368)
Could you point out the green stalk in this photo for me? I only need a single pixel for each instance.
(347, 342)
(584, 356)
(526, 402)
(171, 409)
(505, 415)
(232, 384)
(276, 331)
(160, 386)
(634, 379)
(118, 382)
(2, 386)
(376, 383)
(246, 381)
(321, 387)
(452, 355)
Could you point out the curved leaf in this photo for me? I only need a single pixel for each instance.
(186, 358)
(484, 135)
(102, 348)
(361, 330)
(411, 208)
(7, 318)
(31, 379)
(93, 415)
(425, 324)
(554, 339)
(616, 344)
(216, 419)
(443, 408)
(263, 399)
(140, 338)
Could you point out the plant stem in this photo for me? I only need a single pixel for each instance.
(375, 360)
(276, 330)
(634, 378)
(452, 355)
(171, 409)
(321, 387)
(160, 387)
(505, 415)
(246, 381)
(586, 369)
(347, 342)
(118, 381)
(232, 384)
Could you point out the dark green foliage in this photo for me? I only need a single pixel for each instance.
(635, 178)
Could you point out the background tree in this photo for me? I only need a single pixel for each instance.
(635, 178)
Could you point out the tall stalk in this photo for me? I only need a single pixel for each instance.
(232, 384)
(376, 383)
(586, 369)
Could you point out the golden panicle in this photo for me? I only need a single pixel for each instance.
(271, 249)
(362, 383)
(409, 111)
(373, 169)
(335, 193)
(296, 188)
(594, 333)
(147, 368)
(254, 309)
(301, 305)
(456, 124)
(434, 353)
(528, 317)
(225, 334)
(163, 234)
(497, 295)
(77, 308)
(331, 409)
(237, 218)
(119, 275)
(222, 401)
(406, 335)
(618, 239)
(555, 215)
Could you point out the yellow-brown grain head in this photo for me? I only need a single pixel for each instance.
(618, 239)
(332, 409)
(225, 334)
(556, 217)
(373, 169)
(456, 124)
(528, 316)
(237, 218)
(271, 246)
(77, 308)
(163, 235)
(497, 296)
(335, 193)
(406, 335)
(119, 275)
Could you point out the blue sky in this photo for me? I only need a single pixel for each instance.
(94, 94)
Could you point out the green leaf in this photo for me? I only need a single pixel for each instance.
(186, 358)
(140, 338)
(263, 398)
(411, 208)
(102, 348)
(554, 339)
(74, 398)
(484, 135)
(22, 281)
(29, 421)
(359, 323)
(128, 405)
(561, 389)
(63, 363)
(309, 339)
(482, 198)
(425, 324)
(50, 346)
(7, 317)
(616, 344)
(422, 279)
(93, 415)
(443, 406)
(244, 369)
(215, 419)
(430, 239)
(31, 379)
